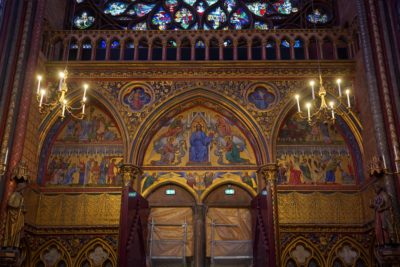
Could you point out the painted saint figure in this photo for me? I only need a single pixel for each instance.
(199, 143)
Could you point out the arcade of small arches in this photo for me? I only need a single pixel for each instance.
(170, 45)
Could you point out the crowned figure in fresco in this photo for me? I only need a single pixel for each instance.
(199, 143)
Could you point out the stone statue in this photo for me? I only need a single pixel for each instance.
(384, 219)
(15, 217)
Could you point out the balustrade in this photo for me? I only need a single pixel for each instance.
(327, 44)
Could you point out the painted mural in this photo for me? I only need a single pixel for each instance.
(199, 137)
(86, 152)
(313, 155)
(199, 180)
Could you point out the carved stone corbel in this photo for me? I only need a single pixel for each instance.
(130, 173)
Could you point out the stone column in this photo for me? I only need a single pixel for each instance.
(131, 175)
(292, 54)
(25, 101)
(80, 48)
(200, 236)
(93, 55)
(178, 50)
(306, 52)
(373, 93)
(207, 49)
(193, 51)
(263, 50)
(164, 50)
(249, 50)
(122, 49)
(221, 51)
(235, 49)
(269, 173)
(135, 50)
(278, 49)
(108, 49)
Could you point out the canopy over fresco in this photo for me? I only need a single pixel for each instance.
(315, 155)
(86, 152)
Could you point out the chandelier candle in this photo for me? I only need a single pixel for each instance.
(6, 157)
(333, 110)
(308, 106)
(348, 98)
(339, 81)
(298, 103)
(38, 86)
(61, 74)
(42, 93)
(312, 83)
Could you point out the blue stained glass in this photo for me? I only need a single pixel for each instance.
(240, 19)
(161, 19)
(172, 43)
(285, 44)
(143, 9)
(102, 44)
(270, 44)
(73, 45)
(216, 17)
(171, 4)
(317, 17)
(130, 45)
(200, 44)
(114, 44)
(258, 8)
(211, 2)
(140, 26)
(201, 7)
(297, 44)
(227, 43)
(283, 7)
(260, 25)
(230, 4)
(190, 2)
(220, 14)
(184, 17)
(115, 8)
(87, 45)
(83, 21)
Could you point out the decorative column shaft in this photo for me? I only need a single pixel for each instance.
(269, 173)
(26, 98)
(373, 93)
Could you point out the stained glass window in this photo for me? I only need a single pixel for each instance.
(199, 14)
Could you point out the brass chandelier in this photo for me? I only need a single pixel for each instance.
(60, 101)
(320, 109)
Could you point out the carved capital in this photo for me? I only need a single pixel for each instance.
(129, 173)
(268, 172)
(376, 167)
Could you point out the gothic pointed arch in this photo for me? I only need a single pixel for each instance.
(200, 139)
(52, 253)
(85, 151)
(97, 252)
(320, 154)
(301, 251)
(349, 251)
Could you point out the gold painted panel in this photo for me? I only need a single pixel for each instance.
(323, 208)
(78, 209)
